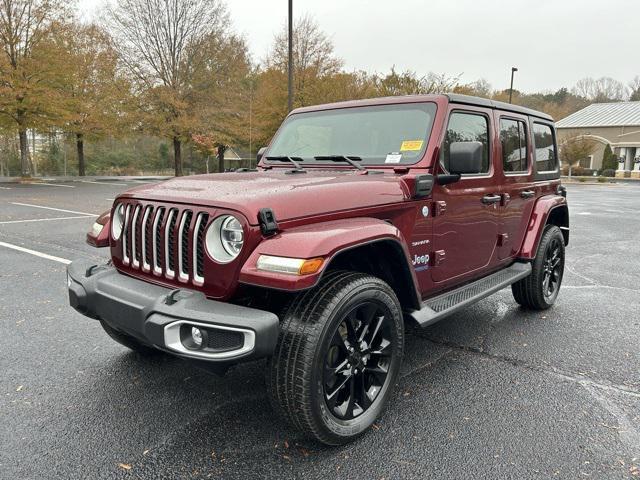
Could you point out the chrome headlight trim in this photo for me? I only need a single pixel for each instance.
(117, 221)
(224, 238)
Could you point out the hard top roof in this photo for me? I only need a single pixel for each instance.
(487, 103)
(450, 97)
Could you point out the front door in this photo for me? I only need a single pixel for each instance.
(467, 212)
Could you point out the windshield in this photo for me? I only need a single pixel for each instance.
(380, 134)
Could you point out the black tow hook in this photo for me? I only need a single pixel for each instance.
(176, 295)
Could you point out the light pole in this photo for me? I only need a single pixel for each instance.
(290, 62)
(513, 70)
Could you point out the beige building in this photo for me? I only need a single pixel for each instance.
(613, 124)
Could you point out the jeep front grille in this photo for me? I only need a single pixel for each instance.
(165, 241)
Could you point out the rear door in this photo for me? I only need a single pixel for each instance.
(466, 213)
(518, 188)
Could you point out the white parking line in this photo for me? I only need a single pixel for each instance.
(43, 219)
(5, 188)
(102, 183)
(37, 254)
(55, 209)
(50, 184)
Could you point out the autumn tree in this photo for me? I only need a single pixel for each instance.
(410, 83)
(222, 86)
(159, 42)
(478, 88)
(28, 70)
(576, 148)
(95, 93)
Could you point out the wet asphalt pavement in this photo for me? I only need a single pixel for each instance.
(493, 392)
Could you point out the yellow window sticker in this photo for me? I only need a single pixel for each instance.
(411, 145)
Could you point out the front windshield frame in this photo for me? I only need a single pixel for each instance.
(381, 160)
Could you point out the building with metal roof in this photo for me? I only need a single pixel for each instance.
(614, 124)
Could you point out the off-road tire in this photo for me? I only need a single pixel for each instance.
(309, 325)
(129, 342)
(529, 292)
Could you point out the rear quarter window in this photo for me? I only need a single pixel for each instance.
(545, 148)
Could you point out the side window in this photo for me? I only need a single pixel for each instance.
(513, 136)
(545, 148)
(466, 127)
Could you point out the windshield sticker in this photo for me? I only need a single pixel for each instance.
(411, 145)
(393, 157)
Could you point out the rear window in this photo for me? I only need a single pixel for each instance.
(545, 148)
(513, 137)
(377, 134)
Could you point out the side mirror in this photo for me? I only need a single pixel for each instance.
(260, 153)
(465, 157)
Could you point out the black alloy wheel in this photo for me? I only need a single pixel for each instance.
(357, 361)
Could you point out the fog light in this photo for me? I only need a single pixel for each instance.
(196, 336)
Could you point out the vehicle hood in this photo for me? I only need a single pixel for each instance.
(290, 196)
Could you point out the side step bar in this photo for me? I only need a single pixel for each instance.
(437, 308)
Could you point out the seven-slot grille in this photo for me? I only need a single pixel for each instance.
(167, 241)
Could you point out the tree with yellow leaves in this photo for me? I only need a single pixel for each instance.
(29, 70)
(96, 95)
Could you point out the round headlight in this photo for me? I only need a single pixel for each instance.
(224, 238)
(117, 221)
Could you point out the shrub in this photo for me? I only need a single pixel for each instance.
(609, 160)
(602, 179)
(608, 172)
(582, 179)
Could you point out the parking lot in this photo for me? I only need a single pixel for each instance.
(493, 392)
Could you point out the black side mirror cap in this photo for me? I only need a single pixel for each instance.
(465, 157)
(260, 153)
(447, 178)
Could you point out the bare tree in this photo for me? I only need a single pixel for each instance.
(158, 41)
(24, 28)
(601, 90)
(634, 89)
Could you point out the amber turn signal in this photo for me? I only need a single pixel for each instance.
(310, 266)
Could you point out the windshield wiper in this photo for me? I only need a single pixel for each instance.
(351, 159)
(293, 160)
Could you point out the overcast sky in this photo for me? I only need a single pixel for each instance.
(553, 43)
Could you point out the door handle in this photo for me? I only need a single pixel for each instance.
(489, 199)
(527, 194)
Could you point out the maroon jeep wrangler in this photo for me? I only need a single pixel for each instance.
(360, 216)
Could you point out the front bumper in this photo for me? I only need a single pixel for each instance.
(163, 317)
